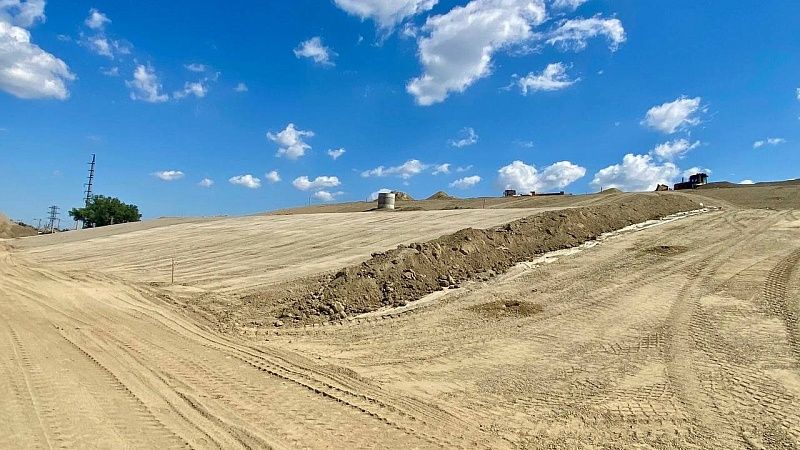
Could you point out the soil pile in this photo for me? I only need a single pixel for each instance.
(408, 273)
(507, 308)
(402, 196)
(9, 229)
(611, 191)
(441, 195)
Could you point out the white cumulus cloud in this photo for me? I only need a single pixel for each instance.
(526, 178)
(169, 175)
(441, 168)
(241, 87)
(675, 149)
(405, 171)
(387, 13)
(96, 20)
(206, 182)
(553, 78)
(695, 169)
(636, 173)
(568, 4)
(747, 182)
(247, 181)
(304, 184)
(272, 176)
(326, 196)
(101, 46)
(466, 182)
(291, 141)
(469, 137)
(675, 115)
(145, 85)
(769, 141)
(22, 13)
(27, 71)
(336, 153)
(316, 50)
(457, 47)
(197, 88)
(573, 34)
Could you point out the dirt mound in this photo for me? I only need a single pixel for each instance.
(507, 308)
(611, 191)
(402, 196)
(408, 273)
(775, 195)
(441, 195)
(666, 250)
(9, 229)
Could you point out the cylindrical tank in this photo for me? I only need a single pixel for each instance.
(386, 200)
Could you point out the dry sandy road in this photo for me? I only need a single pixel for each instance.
(680, 336)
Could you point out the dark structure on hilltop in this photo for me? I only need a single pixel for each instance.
(695, 180)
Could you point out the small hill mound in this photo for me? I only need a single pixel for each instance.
(611, 191)
(402, 196)
(441, 195)
(9, 229)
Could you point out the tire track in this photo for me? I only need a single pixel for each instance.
(26, 395)
(120, 414)
(778, 303)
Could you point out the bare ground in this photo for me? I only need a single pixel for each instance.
(683, 335)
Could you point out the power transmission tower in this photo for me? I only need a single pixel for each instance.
(52, 218)
(89, 183)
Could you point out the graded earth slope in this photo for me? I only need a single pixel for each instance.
(682, 335)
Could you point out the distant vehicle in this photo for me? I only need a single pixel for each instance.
(510, 193)
(695, 180)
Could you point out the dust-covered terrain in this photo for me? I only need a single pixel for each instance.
(681, 333)
(9, 229)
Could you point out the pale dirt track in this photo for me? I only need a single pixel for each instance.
(680, 336)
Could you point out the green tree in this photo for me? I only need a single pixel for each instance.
(102, 211)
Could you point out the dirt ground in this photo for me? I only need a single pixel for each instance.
(683, 334)
(9, 229)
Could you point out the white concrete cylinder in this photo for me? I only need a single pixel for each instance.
(386, 200)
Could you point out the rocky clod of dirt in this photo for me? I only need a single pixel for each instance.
(402, 196)
(409, 272)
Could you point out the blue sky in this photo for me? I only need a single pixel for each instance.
(464, 96)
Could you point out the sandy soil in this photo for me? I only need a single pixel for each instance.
(683, 335)
(9, 229)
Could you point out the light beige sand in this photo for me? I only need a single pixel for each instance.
(683, 335)
(240, 253)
